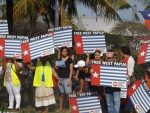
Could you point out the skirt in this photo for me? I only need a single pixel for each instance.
(44, 96)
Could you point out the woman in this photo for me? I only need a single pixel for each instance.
(64, 66)
(44, 95)
(83, 72)
(12, 82)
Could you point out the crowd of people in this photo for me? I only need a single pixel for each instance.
(71, 77)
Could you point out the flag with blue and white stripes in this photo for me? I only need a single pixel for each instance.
(109, 74)
(88, 42)
(140, 97)
(4, 27)
(85, 103)
(37, 47)
(62, 36)
(10, 46)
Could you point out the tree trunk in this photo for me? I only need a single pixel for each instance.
(9, 4)
(62, 11)
(56, 13)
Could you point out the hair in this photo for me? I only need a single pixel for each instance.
(125, 50)
(64, 47)
(97, 51)
(147, 71)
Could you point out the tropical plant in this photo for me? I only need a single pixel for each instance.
(30, 8)
(130, 29)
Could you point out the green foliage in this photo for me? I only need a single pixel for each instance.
(115, 41)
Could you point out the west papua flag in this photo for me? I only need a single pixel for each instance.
(3, 27)
(85, 103)
(139, 97)
(146, 16)
(144, 53)
(89, 42)
(37, 47)
(109, 74)
(62, 36)
(10, 46)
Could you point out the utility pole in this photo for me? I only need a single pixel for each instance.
(56, 13)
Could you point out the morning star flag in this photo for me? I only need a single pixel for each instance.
(85, 103)
(144, 52)
(139, 97)
(109, 74)
(10, 46)
(62, 36)
(89, 42)
(146, 16)
(37, 47)
(3, 27)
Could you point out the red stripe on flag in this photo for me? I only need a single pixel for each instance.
(147, 23)
(52, 33)
(73, 105)
(25, 52)
(78, 44)
(95, 76)
(142, 53)
(134, 87)
(2, 47)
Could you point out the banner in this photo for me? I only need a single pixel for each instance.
(10, 46)
(85, 103)
(62, 36)
(109, 74)
(144, 52)
(139, 97)
(4, 27)
(89, 42)
(37, 47)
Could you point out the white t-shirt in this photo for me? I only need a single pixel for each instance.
(130, 66)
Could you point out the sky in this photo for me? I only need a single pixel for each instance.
(126, 14)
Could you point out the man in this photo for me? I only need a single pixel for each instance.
(112, 94)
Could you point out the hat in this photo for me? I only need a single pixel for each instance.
(80, 63)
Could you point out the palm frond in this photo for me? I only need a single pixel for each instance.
(20, 9)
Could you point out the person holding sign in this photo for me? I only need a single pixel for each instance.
(147, 77)
(12, 82)
(64, 66)
(112, 94)
(43, 81)
(127, 58)
(126, 104)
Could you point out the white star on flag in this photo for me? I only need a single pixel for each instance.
(95, 75)
(25, 52)
(142, 53)
(74, 107)
(1, 48)
(78, 44)
(134, 87)
(149, 15)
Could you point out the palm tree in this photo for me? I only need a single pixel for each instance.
(27, 8)
(106, 8)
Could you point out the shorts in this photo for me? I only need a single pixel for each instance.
(64, 88)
